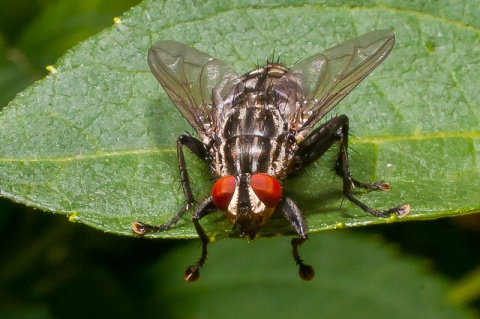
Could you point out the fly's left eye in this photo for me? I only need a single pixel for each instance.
(267, 188)
(222, 192)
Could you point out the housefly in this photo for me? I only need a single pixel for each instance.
(257, 129)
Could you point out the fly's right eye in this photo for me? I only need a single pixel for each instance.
(222, 192)
(267, 188)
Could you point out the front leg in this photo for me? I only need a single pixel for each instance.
(319, 141)
(294, 216)
(206, 207)
(200, 150)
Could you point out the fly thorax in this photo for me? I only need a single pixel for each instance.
(252, 140)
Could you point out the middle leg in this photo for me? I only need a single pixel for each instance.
(319, 141)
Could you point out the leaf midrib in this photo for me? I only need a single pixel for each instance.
(354, 140)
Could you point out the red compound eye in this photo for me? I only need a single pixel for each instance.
(222, 192)
(267, 188)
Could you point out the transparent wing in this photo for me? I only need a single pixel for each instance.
(324, 79)
(189, 76)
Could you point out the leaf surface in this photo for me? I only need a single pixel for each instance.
(96, 139)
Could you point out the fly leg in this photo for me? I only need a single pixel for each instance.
(294, 216)
(200, 150)
(206, 207)
(320, 140)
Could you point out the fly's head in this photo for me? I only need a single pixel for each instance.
(248, 200)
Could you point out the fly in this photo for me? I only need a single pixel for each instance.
(257, 129)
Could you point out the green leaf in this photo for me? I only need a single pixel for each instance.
(96, 139)
(356, 277)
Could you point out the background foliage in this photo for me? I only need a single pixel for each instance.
(53, 268)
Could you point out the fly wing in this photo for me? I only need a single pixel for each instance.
(189, 77)
(324, 79)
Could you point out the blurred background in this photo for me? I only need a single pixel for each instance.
(52, 268)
